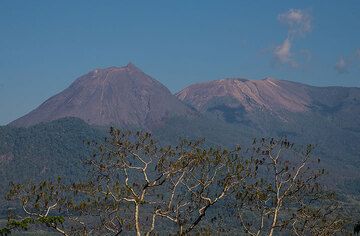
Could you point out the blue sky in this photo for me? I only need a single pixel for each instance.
(45, 45)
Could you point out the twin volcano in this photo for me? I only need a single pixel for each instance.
(127, 97)
(225, 112)
(123, 96)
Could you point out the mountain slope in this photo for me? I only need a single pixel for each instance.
(265, 94)
(325, 116)
(239, 100)
(45, 151)
(122, 96)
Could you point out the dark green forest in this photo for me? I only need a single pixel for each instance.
(60, 148)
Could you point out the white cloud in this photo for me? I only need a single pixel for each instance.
(298, 21)
(282, 53)
(342, 65)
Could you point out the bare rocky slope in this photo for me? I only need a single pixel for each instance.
(267, 95)
(122, 96)
(240, 100)
(328, 117)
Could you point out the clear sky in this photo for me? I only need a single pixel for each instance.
(45, 45)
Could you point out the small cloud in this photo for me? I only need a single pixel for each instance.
(357, 53)
(243, 43)
(306, 54)
(282, 53)
(342, 66)
(299, 22)
(346, 63)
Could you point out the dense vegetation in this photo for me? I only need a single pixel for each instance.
(139, 186)
(46, 151)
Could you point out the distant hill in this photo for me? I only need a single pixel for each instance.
(45, 151)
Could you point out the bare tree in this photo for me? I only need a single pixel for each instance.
(136, 186)
(287, 196)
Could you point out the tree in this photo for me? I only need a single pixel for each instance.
(288, 196)
(136, 186)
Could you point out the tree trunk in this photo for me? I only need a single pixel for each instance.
(273, 225)
(137, 223)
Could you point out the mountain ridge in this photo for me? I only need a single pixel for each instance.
(127, 97)
(303, 95)
(252, 94)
